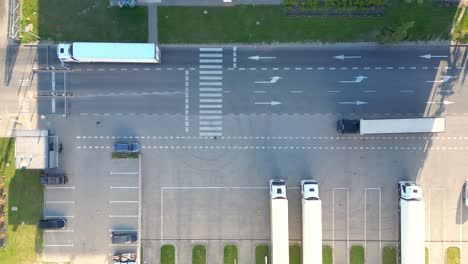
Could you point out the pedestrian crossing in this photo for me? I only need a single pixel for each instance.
(211, 92)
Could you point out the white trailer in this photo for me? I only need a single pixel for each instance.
(279, 222)
(408, 125)
(311, 223)
(412, 224)
(109, 52)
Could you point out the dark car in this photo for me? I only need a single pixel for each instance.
(53, 179)
(52, 223)
(347, 126)
(127, 147)
(123, 237)
(465, 193)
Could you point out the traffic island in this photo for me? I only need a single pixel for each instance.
(327, 252)
(356, 255)
(389, 255)
(262, 252)
(167, 254)
(199, 254)
(230, 254)
(294, 254)
(452, 256)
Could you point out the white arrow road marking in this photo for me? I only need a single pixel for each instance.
(357, 80)
(443, 79)
(260, 58)
(268, 103)
(429, 56)
(273, 79)
(342, 57)
(354, 103)
(443, 102)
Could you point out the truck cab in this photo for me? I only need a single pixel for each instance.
(278, 189)
(309, 190)
(345, 126)
(409, 190)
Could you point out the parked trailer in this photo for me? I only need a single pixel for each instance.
(311, 223)
(392, 126)
(412, 224)
(279, 222)
(109, 52)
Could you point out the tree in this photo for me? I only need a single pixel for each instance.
(395, 33)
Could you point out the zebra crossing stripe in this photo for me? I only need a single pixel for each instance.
(211, 49)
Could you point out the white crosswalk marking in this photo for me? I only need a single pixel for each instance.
(211, 92)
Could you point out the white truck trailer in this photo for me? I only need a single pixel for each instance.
(392, 126)
(311, 223)
(279, 222)
(109, 52)
(412, 223)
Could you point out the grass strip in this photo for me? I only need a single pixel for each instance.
(327, 253)
(356, 255)
(452, 255)
(199, 254)
(230, 254)
(262, 252)
(294, 254)
(167, 254)
(389, 255)
(24, 239)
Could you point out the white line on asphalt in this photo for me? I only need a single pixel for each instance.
(210, 134)
(60, 202)
(70, 245)
(211, 117)
(211, 83)
(211, 89)
(259, 91)
(123, 187)
(211, 106)
(211, 49)
(53, 90)
(58, 216)
(187, 105)
(296, 91)
(59, 187)
(111, 201)
(211, 55)
(216, 78)
(211, 66)
(211, 123)
(211, 100)
(209, 112)
(122, 172)
(123, 245)
(211, 95)
(59, 231)
(211, 128)
(123, 216)
(211, 72)
(406, 91)
(334, 91)
(211, 61)
(370, 91)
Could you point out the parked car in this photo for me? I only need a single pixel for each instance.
(127, 258)
(53, 179)
(127, 147)
(465, 193)
(123, 237)
(52, 223)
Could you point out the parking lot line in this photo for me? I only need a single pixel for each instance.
(461, 229)
(60, 231)
(58, 216)
(122, 173)
(123, 216)
(60, 202)
(123, 201)
(122, 230)
(333, 219)
(123, 187)
(70, 245)
(380, 215)
(122, 245)
(443, 217)
(59, 187)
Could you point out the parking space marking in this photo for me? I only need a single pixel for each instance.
(443, 218)
(461, 228)
(123, 187)
(60, 202)
(123, 216)
(58, 216)
(123, 245)
(60, 231)
(123, 201)
(333, 217)
(59, 187)
(123, 173)
(380, 215)
(122, 230)
(70, 245)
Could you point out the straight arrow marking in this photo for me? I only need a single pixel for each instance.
(354, 103)
(358, 79)
(268, 103)
(443, 102)
(342, 57)
(443, 79)
(273, 79)
(429, 56)
(259, 58)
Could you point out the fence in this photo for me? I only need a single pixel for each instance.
(14, 18)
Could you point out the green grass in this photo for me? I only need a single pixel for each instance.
(294, 254)
(356, 255)
(389, 255)
(262, 251)
(461, 29)
(167, 254)
(24, 191)
(238, 24)
(230, 254)
(453, 255)
(327, 253)
(199, 254)
(118, 155)
(83, 20)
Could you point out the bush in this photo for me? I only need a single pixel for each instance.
(394, 33)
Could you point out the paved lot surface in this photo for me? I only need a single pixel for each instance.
(271, 118)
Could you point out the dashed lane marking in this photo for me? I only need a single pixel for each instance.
(297, 148)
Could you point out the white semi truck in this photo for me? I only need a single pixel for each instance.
(109, 52)
(279, 222)
(392, 126)
(412, 223)
(311, 223)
